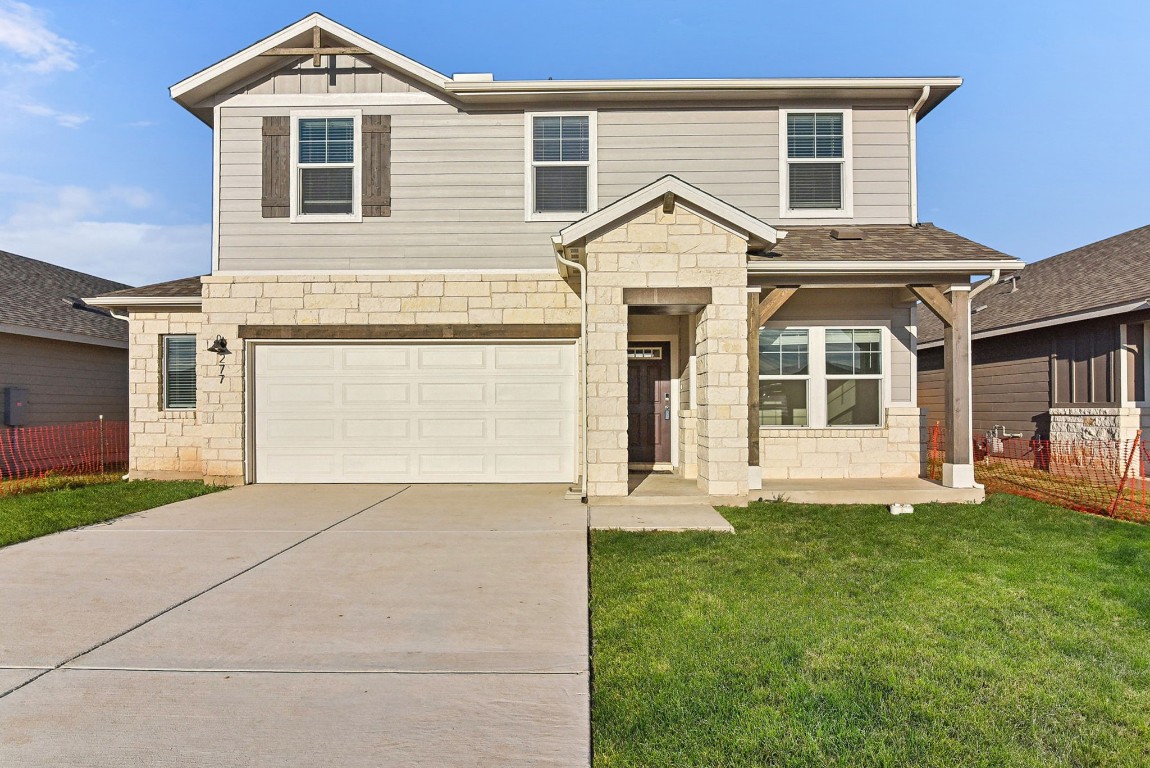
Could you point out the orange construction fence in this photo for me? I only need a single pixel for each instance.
(90, 448)
(1105, 477)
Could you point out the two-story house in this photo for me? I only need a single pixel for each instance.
(428, 278)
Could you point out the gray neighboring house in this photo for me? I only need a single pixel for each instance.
(423, 277)
(67, 362)
(1059, 350)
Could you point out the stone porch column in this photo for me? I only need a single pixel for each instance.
(958, 463)
(723, 394)
(606, 390)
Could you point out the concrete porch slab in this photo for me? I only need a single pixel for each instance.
(664, 489)
(109, 719)
(679, 517)
(12, 678)
(915, 490)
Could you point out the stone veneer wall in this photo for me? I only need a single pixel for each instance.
(163, 445)
(675, 250)
(432, 299)
(894, 450)
(1094, 423)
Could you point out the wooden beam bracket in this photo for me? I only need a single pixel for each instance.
(935, 300)
(774, 301)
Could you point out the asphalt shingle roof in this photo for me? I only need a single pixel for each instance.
(879, 243)
(1108, 273)
(36, 294)
(185, 287)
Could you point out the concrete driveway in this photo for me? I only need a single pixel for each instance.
(303, 626)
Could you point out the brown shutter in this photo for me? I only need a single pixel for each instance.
(276, 167)
(377, 165)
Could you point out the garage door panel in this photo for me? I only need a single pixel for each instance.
(375, 358)
(452, 358)
(294, 362)
(376, 393)
(416, 413)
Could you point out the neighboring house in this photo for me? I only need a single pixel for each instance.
(1059, 349)
(61, 362)
(424, 278)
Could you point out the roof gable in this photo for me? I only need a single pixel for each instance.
(755, 231)
(252, 63)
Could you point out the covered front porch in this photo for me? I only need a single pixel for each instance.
(732, 360)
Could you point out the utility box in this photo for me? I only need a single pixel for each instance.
(15, 406)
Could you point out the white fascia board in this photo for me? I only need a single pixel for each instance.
(75, 338)
(699, 84)
(145, 301)
(195, 89)
(840, 267)
(703, 203)
(1006, 330)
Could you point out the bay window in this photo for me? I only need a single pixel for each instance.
(821, 377)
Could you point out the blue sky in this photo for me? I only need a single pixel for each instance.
(1044, 148)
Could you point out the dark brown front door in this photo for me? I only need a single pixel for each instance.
(649, 402)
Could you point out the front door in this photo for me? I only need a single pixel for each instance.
(649, 402)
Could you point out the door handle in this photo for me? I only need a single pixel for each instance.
(667, 413)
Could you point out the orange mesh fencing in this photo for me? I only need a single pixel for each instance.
(29, 454)
(1104, 477)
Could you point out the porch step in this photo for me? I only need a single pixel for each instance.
(884, 492)
(666, 501)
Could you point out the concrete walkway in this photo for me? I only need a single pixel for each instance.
(303, 626)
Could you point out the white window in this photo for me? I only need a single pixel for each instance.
(325, 167)
(560, 166)
(179, 353)
(816, 160)
(821, 377)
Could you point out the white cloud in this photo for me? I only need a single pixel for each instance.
(98, 231)
(66, 119)
(23, 31)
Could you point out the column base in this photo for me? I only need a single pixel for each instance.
(754, 478)
(958, 476)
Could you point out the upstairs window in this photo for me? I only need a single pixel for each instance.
(817, 167)
(325, 167)
(179, 353)
(561, 166)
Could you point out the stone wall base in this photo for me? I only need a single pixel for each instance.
(896, 450)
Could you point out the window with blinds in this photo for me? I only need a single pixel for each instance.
(816, 155)
(179, 372)
(561, 157)
(326, 164)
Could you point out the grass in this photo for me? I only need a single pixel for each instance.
(28, 515)
(1008, 634)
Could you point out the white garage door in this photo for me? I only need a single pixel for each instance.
(414, 413)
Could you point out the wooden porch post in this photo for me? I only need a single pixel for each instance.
(958, 466)
(753, 325)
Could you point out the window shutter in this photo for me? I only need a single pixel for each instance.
(276, 167)
(376, 165)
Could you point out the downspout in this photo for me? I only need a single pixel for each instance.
(582, 352)
(987, 283)
(912, 130)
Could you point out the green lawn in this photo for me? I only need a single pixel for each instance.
(28, 515)
(1008, 634)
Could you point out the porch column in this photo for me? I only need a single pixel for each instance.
(606, 390)
(754, 469)
(722, 374)
(958, 465)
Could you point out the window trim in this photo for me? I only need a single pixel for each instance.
(817, 377)
(847, 211)
(592, 163)
(164, 374)
(356, 215)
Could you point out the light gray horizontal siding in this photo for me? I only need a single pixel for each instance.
(458, 178)
(67, 382)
